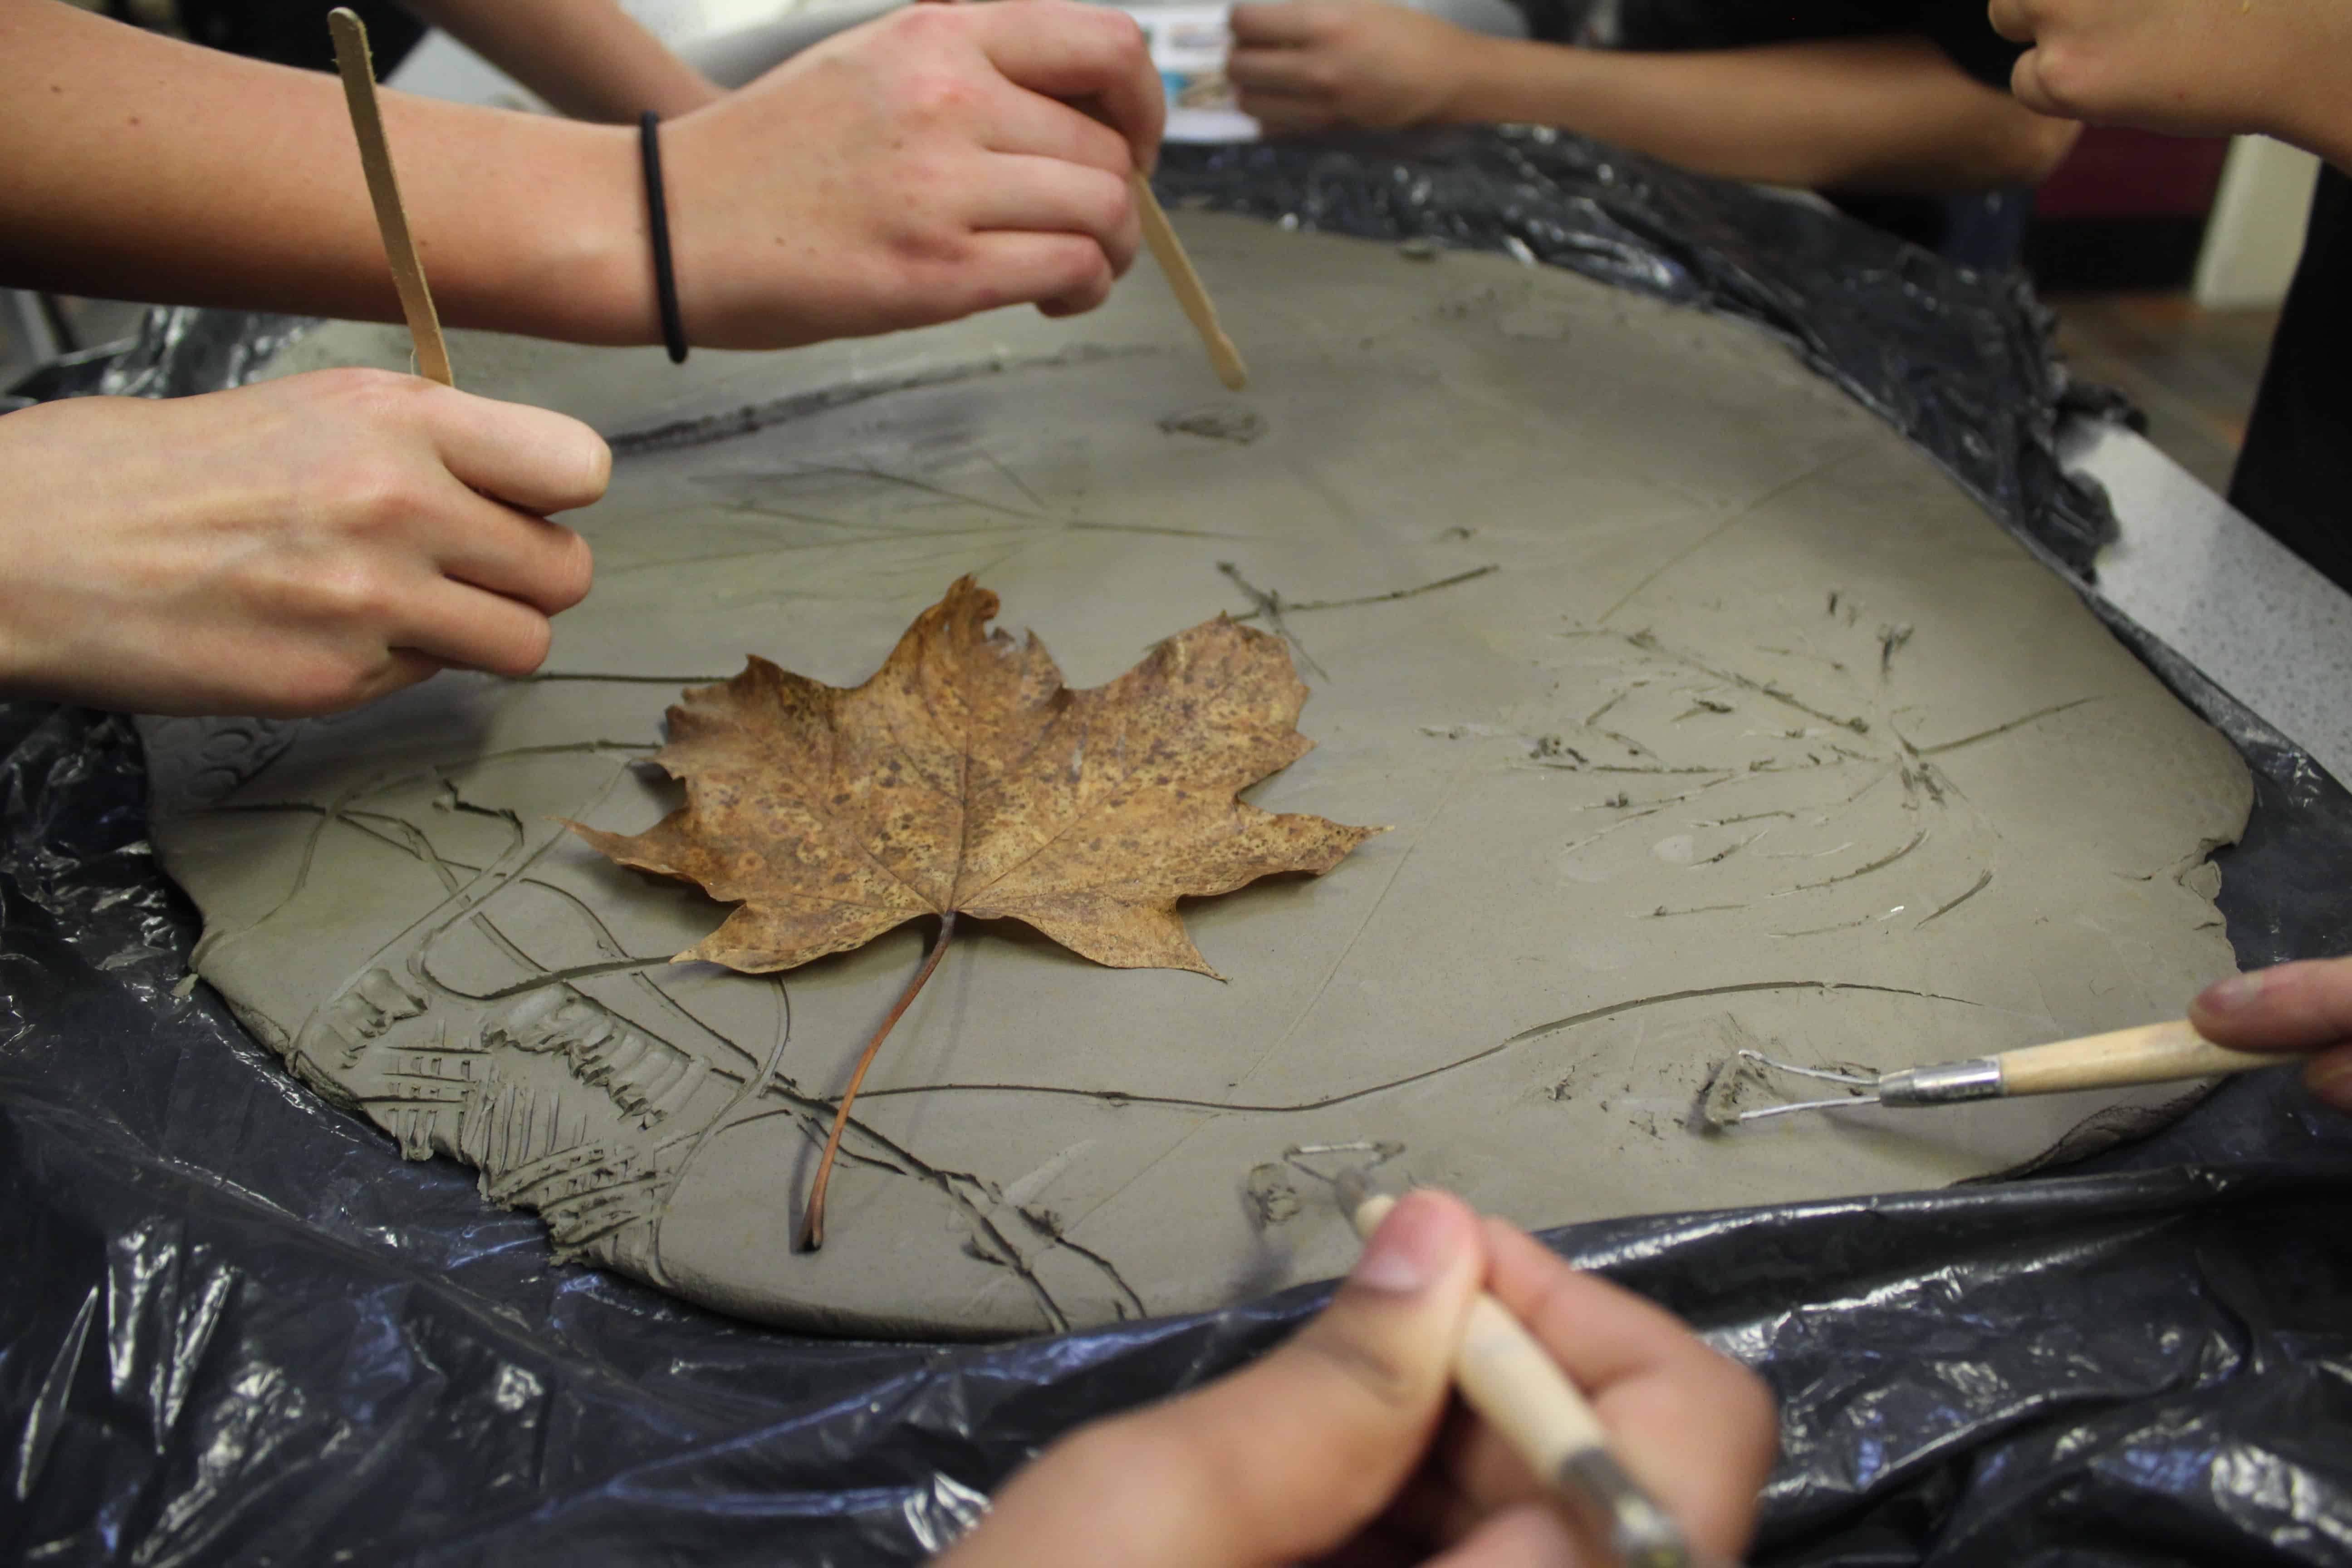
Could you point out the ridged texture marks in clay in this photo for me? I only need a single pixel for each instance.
(965, 776)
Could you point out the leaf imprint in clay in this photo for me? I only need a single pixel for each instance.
(963, 778)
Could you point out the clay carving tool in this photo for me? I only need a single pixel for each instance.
(1512, 1381)
(2152, 1053)
(358, 69)
(1168, 251)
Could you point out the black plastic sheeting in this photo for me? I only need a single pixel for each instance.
(238, 1328)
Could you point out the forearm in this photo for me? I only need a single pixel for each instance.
(588, 58)
(2324, 129)
(1884, 113)
(153, 170)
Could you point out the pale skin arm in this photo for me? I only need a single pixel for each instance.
(936, 169)
(312, 544)
(1882, 114)
(1335, 1447)
(2276, 67)
(589, 59)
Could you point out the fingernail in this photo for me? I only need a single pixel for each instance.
(2331, 1082)
(2229, 996)
(1410, 1249)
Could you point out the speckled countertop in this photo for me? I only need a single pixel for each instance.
(2250, 615)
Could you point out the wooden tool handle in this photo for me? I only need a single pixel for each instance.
(1168, 251)
(358, 69)
(2152, 1053)
(1510, 1380)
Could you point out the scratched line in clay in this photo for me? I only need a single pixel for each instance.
(1702, 724)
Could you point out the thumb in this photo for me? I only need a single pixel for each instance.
(2293, 1006)
(1282, 1461)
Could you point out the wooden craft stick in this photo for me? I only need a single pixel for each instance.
(358, 67)
(1168, 251)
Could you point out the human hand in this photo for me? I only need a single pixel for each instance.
(299, 547)
(2211, 67)
(1335, 1446)
(1307, 66)
(915, 170)
(2305, 1006)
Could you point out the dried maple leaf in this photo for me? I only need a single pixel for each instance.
(964, 778)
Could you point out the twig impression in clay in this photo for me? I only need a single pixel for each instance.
(963, 778)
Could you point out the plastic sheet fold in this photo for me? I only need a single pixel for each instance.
(238, 1327)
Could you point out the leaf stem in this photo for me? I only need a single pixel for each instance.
(813, 1234)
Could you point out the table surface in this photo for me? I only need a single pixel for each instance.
(2245, 611)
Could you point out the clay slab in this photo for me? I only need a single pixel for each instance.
(1706, 711)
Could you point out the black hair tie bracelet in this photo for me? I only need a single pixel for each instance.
(657, 212)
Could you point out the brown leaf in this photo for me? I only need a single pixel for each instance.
(964, 776)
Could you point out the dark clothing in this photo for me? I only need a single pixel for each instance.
(289, 32)
(2294, 472)
(1983, 230)
(1959, 28)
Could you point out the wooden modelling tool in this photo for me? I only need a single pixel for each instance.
(1168, 251)
(1504, 1374)
(358, 67)
(2152, 1053)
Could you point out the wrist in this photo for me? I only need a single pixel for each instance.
(1508, 81)
(599, 249)
(37, 445)
(1468, 93)
(19, 672)
(577, 263)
